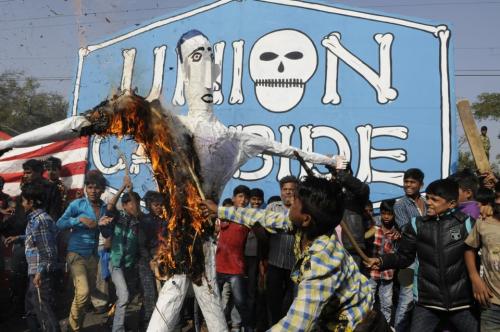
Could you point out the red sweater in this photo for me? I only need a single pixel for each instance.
(229, 258)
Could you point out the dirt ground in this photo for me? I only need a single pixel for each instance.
(11, 322)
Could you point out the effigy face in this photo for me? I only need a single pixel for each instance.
(197, 60)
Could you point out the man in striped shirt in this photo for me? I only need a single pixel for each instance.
(332, 294)
(412, 204)
(280, 257)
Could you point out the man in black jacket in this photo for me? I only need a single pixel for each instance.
(442, 288)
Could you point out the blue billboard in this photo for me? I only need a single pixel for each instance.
(330, 79)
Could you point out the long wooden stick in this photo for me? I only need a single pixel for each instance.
(343, 224)
(158, 282)
(196, 181)
(472, 134)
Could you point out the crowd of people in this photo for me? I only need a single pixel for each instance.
(283, 263)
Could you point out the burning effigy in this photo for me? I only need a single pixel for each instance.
(175, 166)
(192, 156)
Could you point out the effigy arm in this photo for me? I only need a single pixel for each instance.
(57, 131)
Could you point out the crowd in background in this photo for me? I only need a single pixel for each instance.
(106, 250)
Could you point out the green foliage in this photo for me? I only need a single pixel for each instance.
(465, 160)
(23, 107)
(487, 106)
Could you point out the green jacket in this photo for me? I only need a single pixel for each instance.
(124, 245)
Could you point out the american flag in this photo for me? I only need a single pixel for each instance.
(73, 154)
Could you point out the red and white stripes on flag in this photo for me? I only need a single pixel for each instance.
(73, 154)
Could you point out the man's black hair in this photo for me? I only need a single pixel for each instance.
(387, 205)
(445, 188)
(153, 197)
(323, 200)
(368, 203)
(485, 196)
(415, 174)
(53, 163)
(95, 177)
(257, 192)
(241, 189)
(34, 192)
(288, 179)
(126, 197)
(34, 165)
(227, 201)
(484, 128)
(273, 199)
(466, 180)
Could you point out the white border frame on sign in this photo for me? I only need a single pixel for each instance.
(440, 31)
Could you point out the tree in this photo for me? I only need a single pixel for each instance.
(487, 106)
(23, 107)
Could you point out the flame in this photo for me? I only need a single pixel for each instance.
(179, 251)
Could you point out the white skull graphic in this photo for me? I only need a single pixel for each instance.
(281, 63)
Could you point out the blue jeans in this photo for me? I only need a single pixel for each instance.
(124, 280)
(40, 304)
(490, 318)
(384, 296)
(425, 319)
(238, 290)
(403, 311)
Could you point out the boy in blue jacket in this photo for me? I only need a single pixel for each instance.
(441, 287)
(81, 217)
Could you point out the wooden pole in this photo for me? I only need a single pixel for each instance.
(472, 134)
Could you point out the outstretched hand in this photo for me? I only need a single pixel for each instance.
(372, 263)
(10, 240)
(105, 220)
(208, 208)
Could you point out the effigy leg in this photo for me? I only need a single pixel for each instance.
(169, 304)
(207, 295)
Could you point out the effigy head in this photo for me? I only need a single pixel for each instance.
(197, 61)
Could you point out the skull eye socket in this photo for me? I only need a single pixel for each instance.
(196, 57)
(268, 56)
(294, 55)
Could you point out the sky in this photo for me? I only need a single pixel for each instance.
(42, 37)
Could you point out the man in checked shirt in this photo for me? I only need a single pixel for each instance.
(332, 294)
(41, 255)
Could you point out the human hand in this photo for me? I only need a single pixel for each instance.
(10, 240)
(489, 180)
(127, 182)
(208, 208)
(485, 211)
(88, 222)
(105, 220)
(7, 211)
(481, 292)
(394, 234)
(263, 268)
(372, 263)
(153, 265)
(37, 280)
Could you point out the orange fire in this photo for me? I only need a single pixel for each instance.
(180, 249)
